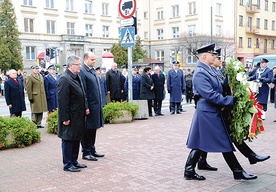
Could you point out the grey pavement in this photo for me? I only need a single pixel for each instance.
(144, 155)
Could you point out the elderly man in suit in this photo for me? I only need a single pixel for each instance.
(93, 93)
(176, 87)
(208, 131)
(159, 83)
(50, 84)
(115, 83)
(71, 114)
(14, 95)
(36, 94)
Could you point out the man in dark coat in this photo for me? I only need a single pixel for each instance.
(146, 89)
(274, 82)
(102, 85)
(208, 132)
(159, 83)
(175, 86)
(50, 84)
(135, 85)
(14, 95)
(189, 86)
(264, 76)
(72, 107)
(115, 83)
(94, 120)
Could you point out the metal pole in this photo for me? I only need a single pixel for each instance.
(211, 21)
(129, 54)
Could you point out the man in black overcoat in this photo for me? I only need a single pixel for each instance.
(115, 83)
(159, 82)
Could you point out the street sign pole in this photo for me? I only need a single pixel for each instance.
(130, 91)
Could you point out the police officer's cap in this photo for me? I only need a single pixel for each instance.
(207, 49)
(35, 67)
(64, 66)
(218, 52)
(175, 63)
(134, 69)
(52, 67)
(98, 68)
(264, 60)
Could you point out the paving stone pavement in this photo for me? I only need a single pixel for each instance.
(145, 155)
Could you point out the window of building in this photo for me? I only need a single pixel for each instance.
(28, 25)
(249, 2)
(273, 6)
(218, 30)
(175, 11)
(218, 9)
(265, 24)
(272, 43)
(51, 26)
(241, 2)
(172, 56)
(105, 9)
(258, 4)
(30, 53)
(191, 58)
(175, 32)
(258, 42)
(249, 42)
(160, 14)
(192, 30)
(160, 34)
(258, 23)
(50, 4)
(159, 55)
(105, 31)
(145, 15)
(192, 8)
(146, 35)
(28, 2)
(70, 28)
(69, 5)
(273, 25)
(240, 41)
(266, 5)
(240, 20)
(88, 30)
(88, 7)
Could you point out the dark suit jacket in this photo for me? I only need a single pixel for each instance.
(159, 82)
(146, 83)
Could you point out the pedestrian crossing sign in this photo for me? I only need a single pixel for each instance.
(127, 36)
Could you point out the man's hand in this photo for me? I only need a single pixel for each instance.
(87, 112)
(108, 92)
(66, 122)
(151, 88)
(10, 105)
(122, 91)
(31, 100)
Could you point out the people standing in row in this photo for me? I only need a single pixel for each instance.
(189, 86)
(94, 120)
(159, 83)
(102, 85)
(50, 84)
(71, 114)
(146, 89)
(36, 94)
(14, 95)
(135, 84)
(176, 87)
(115, 83)
(208, 119)
(274, 82)
(264, 76)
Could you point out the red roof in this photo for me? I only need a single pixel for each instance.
(108, 54)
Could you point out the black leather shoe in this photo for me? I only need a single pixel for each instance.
(39, 126)
(160, 114)
(89, 158)
(98, 155)
(80, 165)
(206, 166)
(254, 158)
(178, 112)
(274, 121)
(72, 169)
(242, 174)
(172, 113)
(194, 176)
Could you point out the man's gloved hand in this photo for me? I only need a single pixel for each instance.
(169, 91)
(31, 100)
(262, 79)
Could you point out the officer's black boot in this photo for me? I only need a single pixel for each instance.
(202, 163)
(235, 166)
(192, 159)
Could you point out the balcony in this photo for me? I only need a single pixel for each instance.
(252, 29)
(252, 9)
(73, 38)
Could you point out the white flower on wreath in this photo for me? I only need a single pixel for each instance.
(241, 77)
(237, 65)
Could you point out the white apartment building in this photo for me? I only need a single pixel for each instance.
(76, 26)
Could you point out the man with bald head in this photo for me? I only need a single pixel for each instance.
(94, 120)
(115, 83)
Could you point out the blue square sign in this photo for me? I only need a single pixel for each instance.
(127, 36)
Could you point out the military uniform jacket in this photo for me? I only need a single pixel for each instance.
(267, 76)
(36, 91)
(208, 131)
(135, 86)
(175, 85)
(50, 84)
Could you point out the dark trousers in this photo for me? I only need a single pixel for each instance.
(189, 95)
(88, 142)
(117, 99)
(272, 92)
(264, 106)
(150, 106)
(174, 106)
(157, 106)
(37, 118)
(70, 152)
(17, 114)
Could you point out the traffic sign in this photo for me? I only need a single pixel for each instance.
(127, 8)
(127, 22)
(127, 36)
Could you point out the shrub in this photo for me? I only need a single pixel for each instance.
(52, 122)
(18, 132)
(114, 110)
